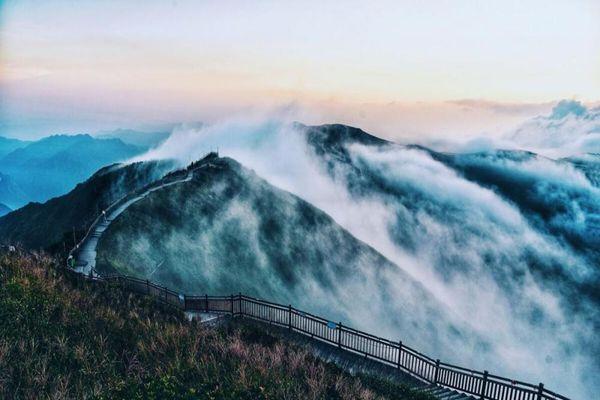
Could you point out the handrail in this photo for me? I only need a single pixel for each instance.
(427, 370)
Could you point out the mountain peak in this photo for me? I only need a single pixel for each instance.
(339, 133)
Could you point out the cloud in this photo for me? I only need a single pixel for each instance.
(570, 129)
(466, 243)
(556, 130)
(521, 109)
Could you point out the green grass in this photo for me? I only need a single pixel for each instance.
(60, 338)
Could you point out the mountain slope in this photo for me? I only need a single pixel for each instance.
(54, 165)
(553, 195)
(52, 223)
(228, 230)
(589, 164)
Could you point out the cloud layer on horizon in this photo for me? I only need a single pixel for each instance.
(569, 128)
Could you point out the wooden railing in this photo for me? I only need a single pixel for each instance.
(481, 385)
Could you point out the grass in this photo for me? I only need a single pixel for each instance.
(62, 339)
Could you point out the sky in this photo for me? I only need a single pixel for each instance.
(405, 68)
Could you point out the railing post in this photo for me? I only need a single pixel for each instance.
(185, 302)
(147, 286)
(437, 371)
(340, 335)
(241, 312)
(399, 354)
(232, 305)
(484, 385)
(206, 302)
(540, 391)
(289, 317)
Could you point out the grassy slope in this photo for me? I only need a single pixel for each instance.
(60, 339)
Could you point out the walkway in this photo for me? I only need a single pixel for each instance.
(85, 260)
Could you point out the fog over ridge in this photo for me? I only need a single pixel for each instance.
(519, 276)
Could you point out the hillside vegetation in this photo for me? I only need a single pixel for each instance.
(60, 338)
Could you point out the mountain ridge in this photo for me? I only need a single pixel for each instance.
(53, 165)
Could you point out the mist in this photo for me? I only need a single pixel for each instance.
(511, 278)
(569, 128)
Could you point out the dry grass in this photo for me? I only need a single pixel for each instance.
(63, 339)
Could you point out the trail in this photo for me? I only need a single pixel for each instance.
(85, 259)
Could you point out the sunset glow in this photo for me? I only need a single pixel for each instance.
(111, 62)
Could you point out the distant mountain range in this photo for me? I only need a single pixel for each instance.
(49, 167)
(11, 193)
(53, 224)
(146, 140)
(8, 145)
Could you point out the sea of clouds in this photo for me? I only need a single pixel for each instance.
(475, 248)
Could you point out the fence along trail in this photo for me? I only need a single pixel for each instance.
(446, 381)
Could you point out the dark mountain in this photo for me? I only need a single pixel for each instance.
(50, 224)
(228, 230)
(137, 138)
(54, 165)
(8, 145)
(4, 209)
(330, 142)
